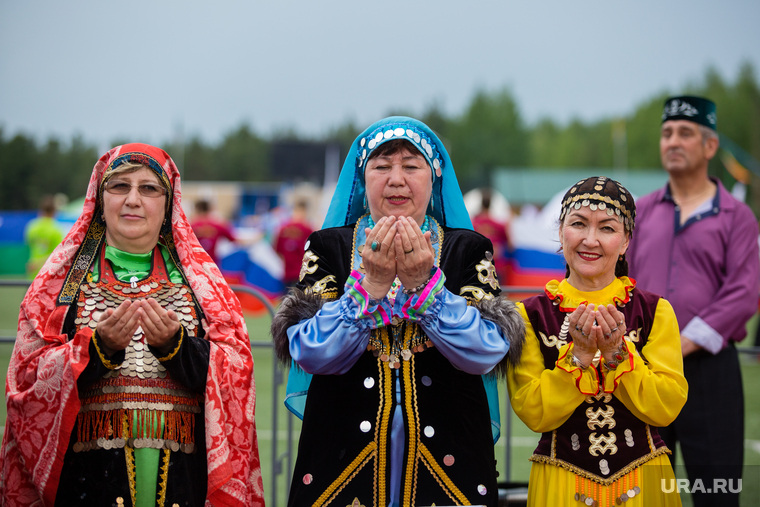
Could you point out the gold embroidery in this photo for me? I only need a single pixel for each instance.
(477, 293)
(413, 432)
(176, 349)
(108, 364)
(382, 429)
(441, 477)
(597, 447)
(129, 454)
(606, 415)
(320, 286)
(487, 273)
(163, 478)
(606, 397)
(306, 266)
(349, 473)
(552, 341)
(355, 503)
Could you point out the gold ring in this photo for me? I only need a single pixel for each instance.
(410, 251)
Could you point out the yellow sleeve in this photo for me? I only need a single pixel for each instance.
(653, 390)
(545, 398)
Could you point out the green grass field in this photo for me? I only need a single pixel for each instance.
(522, 440)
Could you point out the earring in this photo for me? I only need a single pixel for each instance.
(432, 203)
(366, 206)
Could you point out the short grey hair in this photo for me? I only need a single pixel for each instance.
(708, 133)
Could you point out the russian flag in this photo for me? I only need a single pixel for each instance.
(257, 267)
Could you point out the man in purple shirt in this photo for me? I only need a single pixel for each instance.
(696, 246)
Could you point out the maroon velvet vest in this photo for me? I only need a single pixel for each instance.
(602, 440)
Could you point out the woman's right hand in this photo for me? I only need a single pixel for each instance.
(116, 327)
(380, 264)
(582, 330)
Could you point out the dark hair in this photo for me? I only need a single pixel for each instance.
(202, 206)
(485, 199)
(392, 147)
(47, 205)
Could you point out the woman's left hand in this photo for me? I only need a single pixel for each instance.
(612, 326)
(415, 255)
(159, 325)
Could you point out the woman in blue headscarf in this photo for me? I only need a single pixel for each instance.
(399, 320)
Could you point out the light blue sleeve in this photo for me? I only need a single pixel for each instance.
(471, 343)
(330, 342)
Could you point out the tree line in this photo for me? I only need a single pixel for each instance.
(488, 135)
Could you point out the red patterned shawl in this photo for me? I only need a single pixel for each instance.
(41, 385)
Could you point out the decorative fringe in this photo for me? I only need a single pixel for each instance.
(593, 494)
(135, 428)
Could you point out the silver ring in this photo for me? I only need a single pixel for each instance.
(608, 335)
(583, 334)
(620, 323)
(613, 329)
(375, 246)
(577, 327)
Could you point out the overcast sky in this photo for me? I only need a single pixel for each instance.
(154, 70)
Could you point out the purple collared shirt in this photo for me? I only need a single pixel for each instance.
(708, 268)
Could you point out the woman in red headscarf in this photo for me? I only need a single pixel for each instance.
(131, 381)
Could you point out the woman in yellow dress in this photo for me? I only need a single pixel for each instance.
(601, 367)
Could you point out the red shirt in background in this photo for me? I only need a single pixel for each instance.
(209, 232)
(289, 244)
(497, 233)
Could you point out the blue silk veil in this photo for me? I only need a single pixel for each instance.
(347, 205)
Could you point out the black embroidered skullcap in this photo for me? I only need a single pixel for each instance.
(697, 109)
(600, 192)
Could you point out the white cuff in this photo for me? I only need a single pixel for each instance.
(703, 335)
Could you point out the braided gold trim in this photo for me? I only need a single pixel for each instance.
(383, 423)
(413, 431)
(176, 349)
(441, 477)
(163, 479)
(107, 363)
(538, 458)
(345, 477)
(129, 454)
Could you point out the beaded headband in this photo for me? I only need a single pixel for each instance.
(600, 192)
(142, 159)
(418, 138)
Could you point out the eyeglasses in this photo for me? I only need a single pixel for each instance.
(146, 189)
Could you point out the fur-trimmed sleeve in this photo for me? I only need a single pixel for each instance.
(295, 307)
(503, 312)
